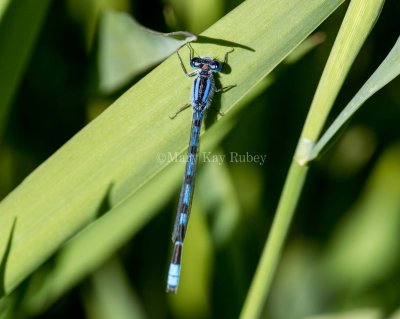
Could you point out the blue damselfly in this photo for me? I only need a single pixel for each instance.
(202, 92)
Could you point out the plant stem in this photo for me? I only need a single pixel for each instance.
(271, 254)
(359, 20)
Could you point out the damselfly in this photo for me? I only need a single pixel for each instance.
(202, 93)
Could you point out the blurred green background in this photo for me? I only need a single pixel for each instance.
(343, 251)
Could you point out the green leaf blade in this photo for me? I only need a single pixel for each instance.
(386, 72)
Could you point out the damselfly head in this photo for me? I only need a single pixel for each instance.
(206, 63)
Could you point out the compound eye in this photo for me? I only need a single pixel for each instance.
(215, 66)
(196, 63)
